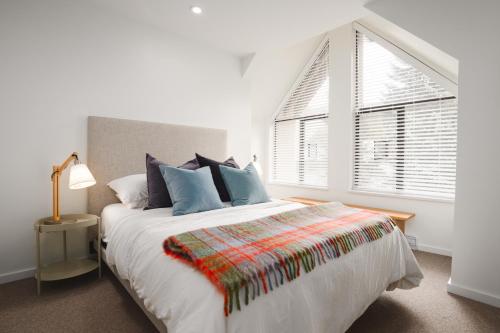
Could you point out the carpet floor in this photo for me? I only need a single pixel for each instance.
(88, 304)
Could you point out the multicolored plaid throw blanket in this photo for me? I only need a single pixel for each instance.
(246, 259)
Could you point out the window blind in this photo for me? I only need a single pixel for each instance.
(405, 127)
(300, 138)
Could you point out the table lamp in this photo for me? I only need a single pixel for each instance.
(79, 177)
(257, 165)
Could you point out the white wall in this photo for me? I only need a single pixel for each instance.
(433, 224)
(468, 30)
(61, 61)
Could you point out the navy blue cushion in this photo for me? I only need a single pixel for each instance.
(158, 196)
(214, 167)
(191, 191)
(244, 186)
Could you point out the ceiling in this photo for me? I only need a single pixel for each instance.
(243, 27)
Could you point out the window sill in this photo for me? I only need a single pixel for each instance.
(402, 196)
(312, 187)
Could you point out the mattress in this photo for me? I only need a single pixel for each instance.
(118, 212)
(328, 299)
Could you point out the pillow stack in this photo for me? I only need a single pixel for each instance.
(187, 192)
(198, 185)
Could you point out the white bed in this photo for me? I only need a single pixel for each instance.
(177, 297)
(328, 299)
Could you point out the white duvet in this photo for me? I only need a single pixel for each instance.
(328, 299)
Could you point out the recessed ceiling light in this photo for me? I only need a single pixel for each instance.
(196, 10)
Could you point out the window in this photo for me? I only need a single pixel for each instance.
(405, 126)
(300, 138)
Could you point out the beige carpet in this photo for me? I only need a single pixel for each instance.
(86, 304)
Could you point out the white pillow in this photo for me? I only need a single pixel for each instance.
(131, 190)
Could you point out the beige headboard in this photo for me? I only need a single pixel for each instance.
(117, 148)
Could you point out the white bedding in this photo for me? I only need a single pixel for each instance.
(328, 299)
(115, 213)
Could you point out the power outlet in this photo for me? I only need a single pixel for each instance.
(412, 241)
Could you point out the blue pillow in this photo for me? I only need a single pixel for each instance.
(191, 191)
(244, 186)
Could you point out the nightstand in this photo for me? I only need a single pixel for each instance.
(69, 267)
(400, 218)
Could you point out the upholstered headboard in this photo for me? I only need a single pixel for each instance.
(118, 147)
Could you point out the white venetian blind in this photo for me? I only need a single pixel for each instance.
(300, 138)
(405, 127)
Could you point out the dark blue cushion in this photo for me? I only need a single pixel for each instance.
(158, 196)
(244, 186)
(214, 167)
(191, 191)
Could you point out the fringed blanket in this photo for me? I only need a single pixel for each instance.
(260, 255)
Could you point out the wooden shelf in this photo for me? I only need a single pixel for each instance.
(67, 269)
(394, 214)
(400, 218)
(305, 201)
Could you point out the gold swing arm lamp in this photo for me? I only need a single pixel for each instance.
(80, 177)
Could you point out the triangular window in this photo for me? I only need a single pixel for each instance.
(300, 138)
(405, 125)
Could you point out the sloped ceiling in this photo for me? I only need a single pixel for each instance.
(243, 27)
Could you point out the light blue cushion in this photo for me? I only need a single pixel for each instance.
(191, 191)
(244, 186)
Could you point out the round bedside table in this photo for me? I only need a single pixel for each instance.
(68, 267)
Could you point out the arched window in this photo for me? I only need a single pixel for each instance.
(405, 124)
(300, 130)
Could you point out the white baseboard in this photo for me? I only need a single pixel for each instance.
(17, 275)
(434, 249)
(473, 294)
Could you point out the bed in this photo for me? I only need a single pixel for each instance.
(177, 297)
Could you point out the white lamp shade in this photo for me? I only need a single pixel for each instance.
(80, 177)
